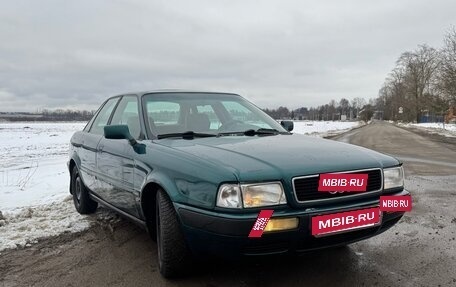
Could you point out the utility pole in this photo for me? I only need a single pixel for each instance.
(443, 123)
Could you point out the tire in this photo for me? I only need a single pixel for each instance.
(173, 253)
(82, 202)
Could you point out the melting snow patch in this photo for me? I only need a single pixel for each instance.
(24, 226)
(448, 130)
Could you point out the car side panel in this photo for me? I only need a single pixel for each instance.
(75, 149)
(115, 166)
(87, 155)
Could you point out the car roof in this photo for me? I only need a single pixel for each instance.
(173, 91)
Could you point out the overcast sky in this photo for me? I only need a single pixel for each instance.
(74, 54)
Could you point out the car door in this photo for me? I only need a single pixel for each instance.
(115, 159)
(89, 143)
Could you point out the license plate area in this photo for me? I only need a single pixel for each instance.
(340, 222)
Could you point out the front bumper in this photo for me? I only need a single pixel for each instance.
(226, 235)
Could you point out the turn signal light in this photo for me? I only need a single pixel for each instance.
(278, 224)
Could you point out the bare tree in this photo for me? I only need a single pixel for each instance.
(394, 95)
(446, 80)
(357, 104)
(344, 106)
(420, 66)
(331, 110)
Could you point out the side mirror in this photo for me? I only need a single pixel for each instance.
(288, 125)
(119, 132)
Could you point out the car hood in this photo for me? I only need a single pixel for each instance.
(279, 156)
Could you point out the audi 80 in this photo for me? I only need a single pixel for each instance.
(195, 169)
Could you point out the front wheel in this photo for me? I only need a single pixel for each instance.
(82, 202)
(173, 254)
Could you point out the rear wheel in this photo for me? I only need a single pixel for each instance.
(82, 202)
(173, 254)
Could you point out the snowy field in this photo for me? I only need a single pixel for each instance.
(437, 128)
(322, 128)
(34, 197)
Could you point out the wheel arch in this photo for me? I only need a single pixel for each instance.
(148, 199)
(155, 181)
(74, 162)
(71, 165)
(148, 204)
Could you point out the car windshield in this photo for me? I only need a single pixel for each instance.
(208, 113)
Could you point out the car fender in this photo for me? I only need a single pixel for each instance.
(182, 189)
(157, 179)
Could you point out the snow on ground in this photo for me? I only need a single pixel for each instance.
(34, 196)
(33, 163)
(323, 128)
(24, 226)
(436, 128)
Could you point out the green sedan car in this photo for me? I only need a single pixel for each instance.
(197, 169)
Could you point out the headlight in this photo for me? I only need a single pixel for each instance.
(266, 194)
(251, 195)
(229, 195)
(393, 177)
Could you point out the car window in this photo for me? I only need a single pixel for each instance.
(241, 113)
(164, 113)
(103, 116)
(127, 114)
(210, 113)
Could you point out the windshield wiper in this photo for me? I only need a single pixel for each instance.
(186, 135)
(261, 131)
(191, 134)
(252, 132)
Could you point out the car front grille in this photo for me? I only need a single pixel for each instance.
(306, 187)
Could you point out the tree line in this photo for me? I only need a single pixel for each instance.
(422, 83)
(49, 115)
(344, 109)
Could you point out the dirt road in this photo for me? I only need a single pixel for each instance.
(419, 251)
